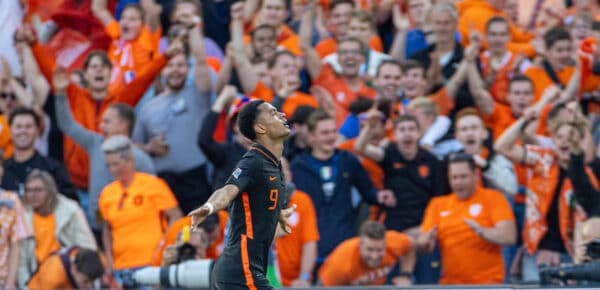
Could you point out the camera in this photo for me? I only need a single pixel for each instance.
(191, 274)
(589, 271)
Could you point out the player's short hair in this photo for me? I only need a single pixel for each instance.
(316, 117)
(247, 119)
(22, 111)
(372, 230)
(427, 105)
(336, 3)
(519, 78)
(388, 62)
(556, 34)
(100, 54)
(469, 111)
(88, 262)
(496, 19)
(126, 113)
(273, 61)
(411, 64)
(118, 144)
(406, 118)
(462, 158)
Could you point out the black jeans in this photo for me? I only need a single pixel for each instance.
(191, 188)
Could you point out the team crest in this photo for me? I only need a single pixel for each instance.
(236, 173)
(475, 209)
(424, 171)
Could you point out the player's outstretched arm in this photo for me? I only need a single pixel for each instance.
(217, 201)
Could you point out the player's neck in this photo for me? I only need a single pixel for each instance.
(274, 146)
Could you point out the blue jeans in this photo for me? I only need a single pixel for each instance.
(509, 252)
(428, 267)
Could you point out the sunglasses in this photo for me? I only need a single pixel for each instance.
(5, 96)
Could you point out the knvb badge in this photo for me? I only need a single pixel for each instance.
(237, 172)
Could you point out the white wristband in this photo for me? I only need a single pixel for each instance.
(211, 208)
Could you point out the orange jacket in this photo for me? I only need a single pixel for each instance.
(88, 111)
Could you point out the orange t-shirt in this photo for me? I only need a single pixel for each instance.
(329, 46)
(499, 120)
(135, 217)
(44, 228)
(88, 112)
(130, 57)
(541, 80)
(374, 170)
(303, 223)
(6, 144)
(345, 266)
(290, 104)
(342, 95)
(457, 240)
(51, 275)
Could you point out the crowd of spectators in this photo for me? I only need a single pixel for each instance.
(433, 141)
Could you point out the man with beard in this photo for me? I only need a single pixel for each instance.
(413, 174)
(166, 122)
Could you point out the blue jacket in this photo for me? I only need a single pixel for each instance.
(336, 218)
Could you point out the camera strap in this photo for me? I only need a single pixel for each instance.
(65, 258)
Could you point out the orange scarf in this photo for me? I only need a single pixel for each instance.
(544, 173)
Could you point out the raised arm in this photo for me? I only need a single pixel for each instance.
(362, 145)
(246, 75)
(64, 118)
(39, 85)
(152, 12)
(311, 58)
(483, 100)
(7, 80)
(572, 89)
(250, 7)
(506, 143)
(401, 23)
(216, 152)
(101, 12)
(227, 66)
(202, 78)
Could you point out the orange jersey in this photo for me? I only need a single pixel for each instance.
(457, 240)
(345, 266)
(342, 95)
(329, 46)
(130, 57)
(290, 104)
(44, 228)
(303, 223)
(88, 112)
(51, 274)
(499, 120)
(135, 217)
(543, 177)
(499, 79)
(541, 80)
(6, 144)
(374, 170)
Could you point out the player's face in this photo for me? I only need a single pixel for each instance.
(351, 57)
(372, 251)
(274, 121)
(562, 142)
(264, 43)
(413, 83)
(176, 72)
(339, 19)
(389, 80)
(471, 133)
(406, 137)
(118, 166)
(324, 136)
(520, 96)
(36, 194)
(498, 36)
(131, 24)
(462, 179)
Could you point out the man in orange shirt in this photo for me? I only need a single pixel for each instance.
(134, 208)
(344, 87)
(273, 13)
(296, 252)
(369, 258)
(68, 269)
(471, 222)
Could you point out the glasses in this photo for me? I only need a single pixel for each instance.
(5, 96)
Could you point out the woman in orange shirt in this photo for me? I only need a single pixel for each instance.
(57, 221)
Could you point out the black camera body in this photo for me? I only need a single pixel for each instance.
(589, 271)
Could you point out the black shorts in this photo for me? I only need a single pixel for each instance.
(259, 285)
